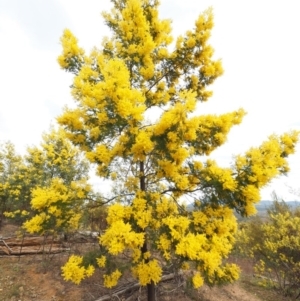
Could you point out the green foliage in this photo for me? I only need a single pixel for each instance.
(89, 257)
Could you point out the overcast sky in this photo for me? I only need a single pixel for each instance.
(257, 41)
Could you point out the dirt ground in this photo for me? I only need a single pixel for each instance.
(35, 277)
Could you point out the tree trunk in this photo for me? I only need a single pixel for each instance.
(150, 286)
(151, 291)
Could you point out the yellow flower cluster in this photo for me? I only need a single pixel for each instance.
(142, 146)
(112, 279)
(147, 272)
(120, 236)
(35, 224)
(43, 198)
(118, 212)
(56, 205)
(164, 244)
(165, 207)
(191, 246)
(177, 225)
(70, 49)
(74, 271)
(224, 176)
(197, 280)
(260, 165)
(142, 215)
(101, 261)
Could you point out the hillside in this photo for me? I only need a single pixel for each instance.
(263, 206)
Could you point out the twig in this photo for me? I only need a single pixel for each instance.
(172, 290)
(132, 286)
(266, 278)
(8, 248)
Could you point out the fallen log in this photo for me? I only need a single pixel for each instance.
(31, 245)
(30, 250)
(44, 244)
(4, 250)
(47, 249)
(28, 241)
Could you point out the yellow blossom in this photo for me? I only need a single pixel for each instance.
(112, 279)
(197, 280)
(147, 272)
(73, 271)
(101, 261)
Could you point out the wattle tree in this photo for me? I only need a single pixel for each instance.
(136, 118)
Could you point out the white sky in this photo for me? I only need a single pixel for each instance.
(257, 41)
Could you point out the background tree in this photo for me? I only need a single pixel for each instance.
(274, 243)
(11, 179)
(136, 119)
(62, 187)
(50, 185)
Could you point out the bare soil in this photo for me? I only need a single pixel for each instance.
(37, 277)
